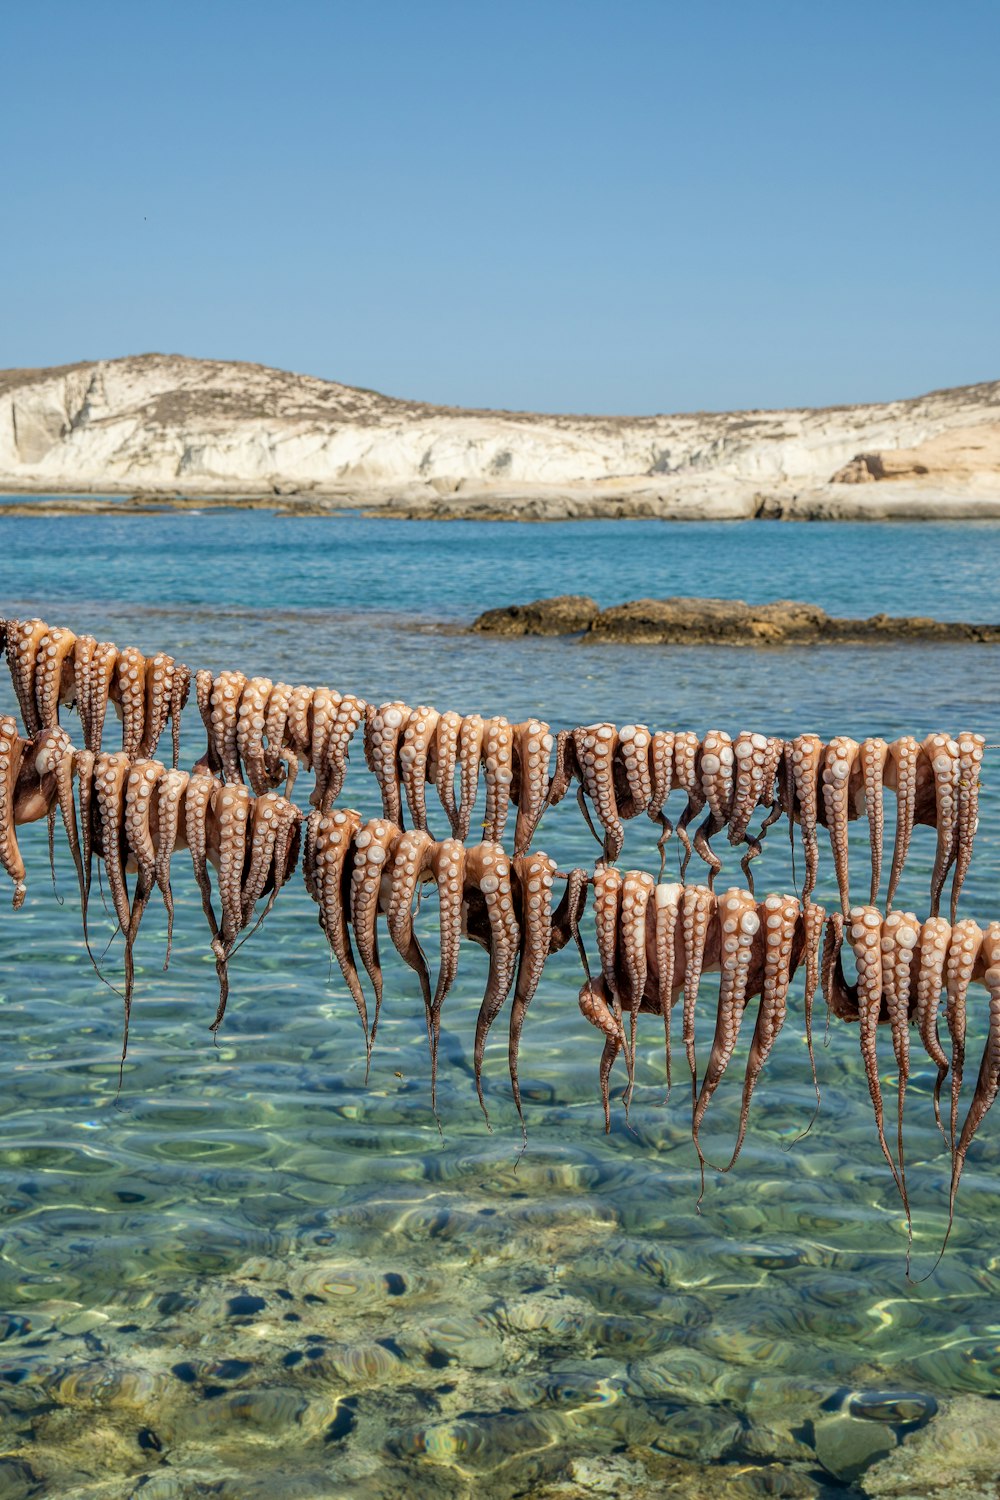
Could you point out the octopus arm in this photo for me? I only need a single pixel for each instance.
(661, 767)
(11, 755)
(594, 1007)
(251, 719)
(160, 672)
(275, 733)
(448, 865)
(900, 937)
(988, 1080)
(697, 913)
(802, 761)
(779, 918)
(667, 906)
(373, 851)
(532, 753)
(970, 751)
(334, 770)
(839, 765)
(129, 695)
(865, 935)
(24, 637)
(943, 756)
(470, 750)
(411, 863)
(327, 869)
(533, 877)
(414, 751)
(140, 787)
(872, 759)
(323, 709)
(383, 733)
(738, 926)
(596, 745)
(442, 763)
(932, 952)
(636, 893)
(633, 781)
(901, 775)
(488, 871)
(54, 651)
(686, 752)
(963, 951)
(169, 814)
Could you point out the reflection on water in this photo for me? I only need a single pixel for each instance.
(251, 1274)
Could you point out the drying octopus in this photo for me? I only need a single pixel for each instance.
(51, 667)
(357, 871)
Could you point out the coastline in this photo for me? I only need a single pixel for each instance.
(894, 501)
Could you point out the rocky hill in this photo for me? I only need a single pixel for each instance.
(167, 425)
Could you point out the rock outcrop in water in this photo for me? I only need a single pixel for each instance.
(714, 622)
(163, 425)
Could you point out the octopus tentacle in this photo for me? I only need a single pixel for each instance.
(900, 937)
(715, 768)
(418, 737)
(448, 864)
(595, 746)
(779, 916)
(383, 730)
(204, 684)
(988, 1080)
(487, 870)
(160, 672)
(83, 656)
(594, 1007)
(84, 765)
(865, 933)
(197, 804)
(128, 693)
(838, 765)
(636, 890)
(813, 923)
(227, 691)
(11, 755)
(697, 911)
(802, 760)
(633, 779)
(963, 950)
(667, 905)
(54, 650)
(324, 705)
(298, 728)
(470, 748)
(532, 750)
(327, 869)
(410, 865)
(902, 774)
(230, 806)
(101, 681)
(935, 937)
(275, 733)
(373, 850)
(23, 640)
(251, 718)
(661, 768)
(738, 925)
(607, 916)
(498, 765)
(180, 688)
(970, 753)
(110, 777)
(533, 876)
(872, 756)
(140, 786)
(331, 775)
(686, 751)
(169, 811)
(442, 762)
(266, 819)
(942, 754)
(757, 760)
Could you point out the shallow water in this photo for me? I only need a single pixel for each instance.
(250, 1273)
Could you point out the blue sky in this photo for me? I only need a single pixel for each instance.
(614, 207)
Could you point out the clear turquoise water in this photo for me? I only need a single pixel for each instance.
(422, 1316)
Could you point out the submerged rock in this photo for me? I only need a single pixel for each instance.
(563, 615)
(715, 622)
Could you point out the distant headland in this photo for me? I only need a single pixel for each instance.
(168, 430)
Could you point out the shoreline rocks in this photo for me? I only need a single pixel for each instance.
(714, 622)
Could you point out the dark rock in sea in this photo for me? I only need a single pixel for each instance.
(245, 1305)
(564, 615)
(715, 622)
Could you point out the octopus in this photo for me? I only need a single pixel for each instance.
(131, 812)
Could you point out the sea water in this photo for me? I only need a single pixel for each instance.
(249, 1271)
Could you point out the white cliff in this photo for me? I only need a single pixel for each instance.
(167, 424)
